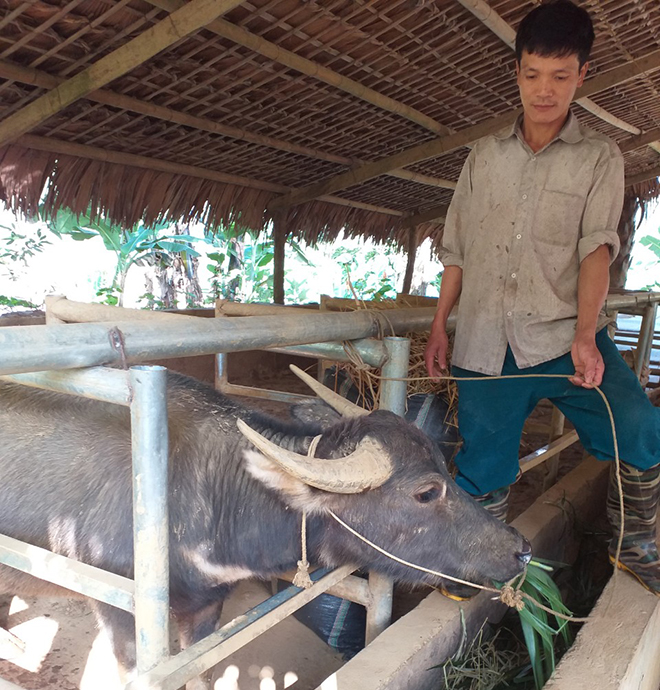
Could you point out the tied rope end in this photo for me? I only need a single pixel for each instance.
(512, 597)
(302, 578)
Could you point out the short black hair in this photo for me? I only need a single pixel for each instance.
(556, 29)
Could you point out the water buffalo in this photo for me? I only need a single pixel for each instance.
(235, 504)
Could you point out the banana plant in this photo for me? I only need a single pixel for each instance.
(131, 246)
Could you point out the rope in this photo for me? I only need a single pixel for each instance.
(617, 459)
(302, 578)
(508, 594)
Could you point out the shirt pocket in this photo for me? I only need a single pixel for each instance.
(558, 218)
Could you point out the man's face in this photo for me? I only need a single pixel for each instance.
(547, 86)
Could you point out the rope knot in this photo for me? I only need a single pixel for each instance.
(302, 578)
(512, 597)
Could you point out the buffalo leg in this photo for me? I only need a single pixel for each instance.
(119, 626)
(194, 627)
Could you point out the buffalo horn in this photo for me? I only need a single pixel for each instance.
(367, 467)
(345, 407)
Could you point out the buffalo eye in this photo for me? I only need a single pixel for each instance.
(429, 494)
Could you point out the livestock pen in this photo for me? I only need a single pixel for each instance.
(119, 341)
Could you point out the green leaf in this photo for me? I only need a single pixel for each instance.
(534, 653)
(653, 243)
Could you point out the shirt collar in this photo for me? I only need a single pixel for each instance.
(570, 132)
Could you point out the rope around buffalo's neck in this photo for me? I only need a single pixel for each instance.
(302, 578)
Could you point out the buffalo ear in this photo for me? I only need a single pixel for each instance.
(291, 490)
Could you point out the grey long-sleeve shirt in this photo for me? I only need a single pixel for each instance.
(519, 225)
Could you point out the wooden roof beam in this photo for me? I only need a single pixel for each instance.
(442, 145)
(52, 145)
(191, 17)
(637, 142)
(643, 176)
(436, 214)
(240, 36)
(506, 33)
(35, 77)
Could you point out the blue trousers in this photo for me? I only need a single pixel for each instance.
(491, 414)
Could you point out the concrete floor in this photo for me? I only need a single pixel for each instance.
(65, 651)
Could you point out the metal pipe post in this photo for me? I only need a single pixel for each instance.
(75, 345)
(392, 387)
(221, 379)
(392, 397)
(645, 342)
(150, 517)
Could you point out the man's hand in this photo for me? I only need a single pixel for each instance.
(588, 362)
(435, 355)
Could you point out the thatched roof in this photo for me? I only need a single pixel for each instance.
(354, 113)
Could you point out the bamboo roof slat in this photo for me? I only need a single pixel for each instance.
(191, 17)
(343, 98)
(305, 66)
(463, 138)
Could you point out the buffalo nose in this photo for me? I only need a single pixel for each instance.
(525, 554)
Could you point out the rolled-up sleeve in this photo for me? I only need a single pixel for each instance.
(603, 207)
(453, 238)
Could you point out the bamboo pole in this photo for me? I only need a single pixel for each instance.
(29, 75)
(507, 34)
(240, 36)
(225, 307)
(637, 142)
(83, 151)
(189, 18)
(59, 309)
(415, 154)
(469, 135)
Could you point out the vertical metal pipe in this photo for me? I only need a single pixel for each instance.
(392, 391)
(221, 379)
(645, 342)
(393, 398)
(150, 517)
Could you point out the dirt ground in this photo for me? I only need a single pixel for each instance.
(65, 651)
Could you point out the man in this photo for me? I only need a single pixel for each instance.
(528, 240)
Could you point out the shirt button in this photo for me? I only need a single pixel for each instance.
(533, 158)
(518, 237)
(524, 196)
(509, 313)
(513, 275)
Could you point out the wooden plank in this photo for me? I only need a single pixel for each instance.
(189, 18)
(549, 450)
(437, 147)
